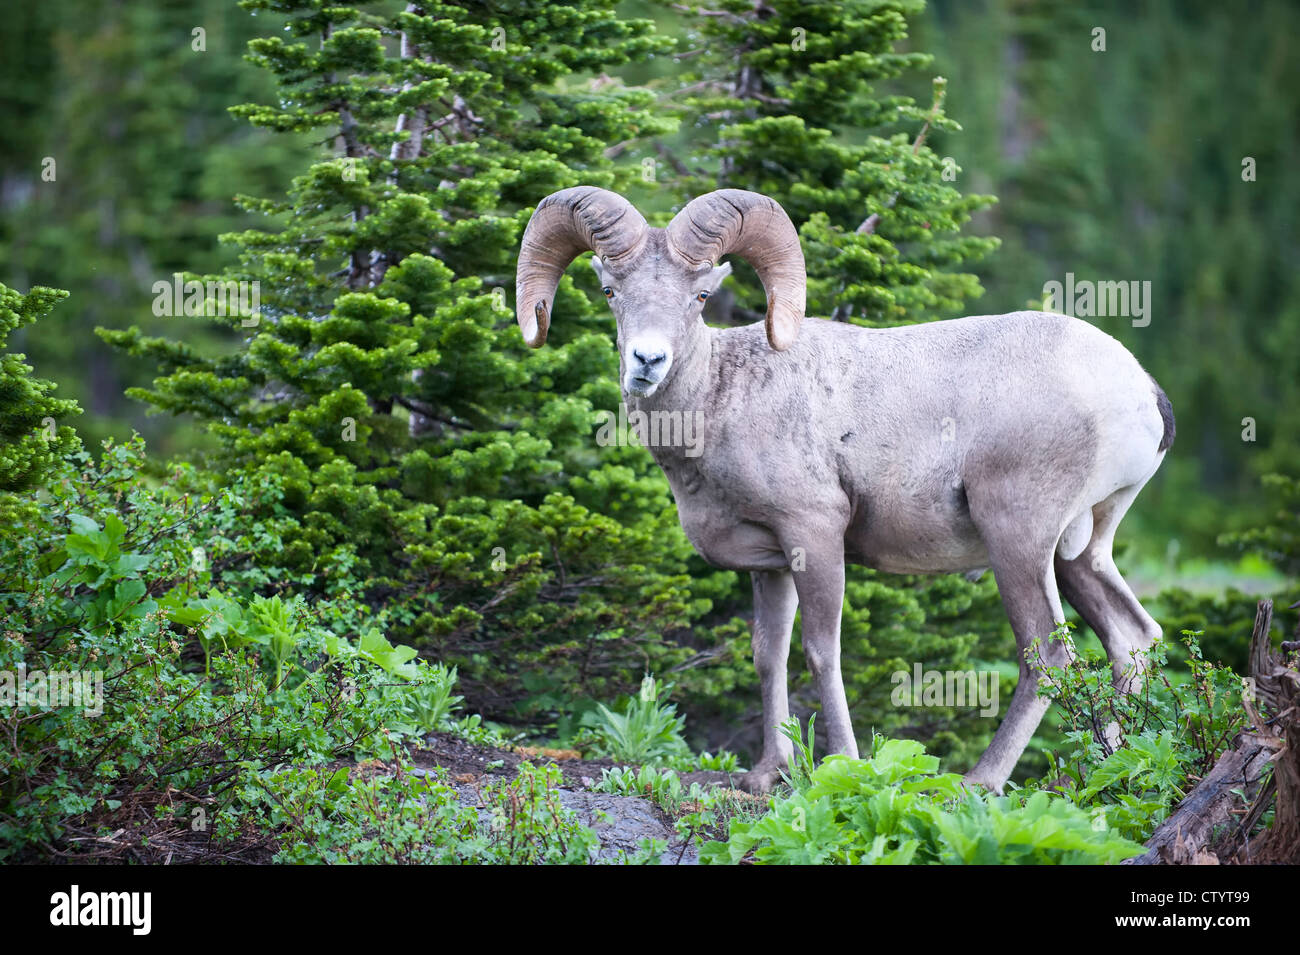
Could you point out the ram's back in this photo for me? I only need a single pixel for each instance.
(905, 424)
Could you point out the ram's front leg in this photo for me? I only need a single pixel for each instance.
(775, 602)
(819, 582)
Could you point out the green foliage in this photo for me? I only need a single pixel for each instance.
(1129, 758)
(647, 731)
(798, 774)
(1040, 829)
(431, 698)
(28, 445)
(529, 823)
(401, 816)
(100, 583)
(663, 786)
(895, 808)
(1148, 761)
(326, 818)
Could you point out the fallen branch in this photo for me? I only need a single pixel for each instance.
(1186, 836)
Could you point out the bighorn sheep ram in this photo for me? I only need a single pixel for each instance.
(1015, 442)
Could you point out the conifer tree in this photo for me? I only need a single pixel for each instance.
(384, 384)
(31, 435)
(784, 98)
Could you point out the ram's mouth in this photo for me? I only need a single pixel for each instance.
(641, 386)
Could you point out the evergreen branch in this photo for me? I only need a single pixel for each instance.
(426, 411)
(869, 224)
(671, 158)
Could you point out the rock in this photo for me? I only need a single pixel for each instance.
(621, 822)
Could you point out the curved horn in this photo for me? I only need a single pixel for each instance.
(564, 225)
(757, 229)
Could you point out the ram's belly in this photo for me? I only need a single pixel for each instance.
(920, 554)
(899, 538)
(905, 537)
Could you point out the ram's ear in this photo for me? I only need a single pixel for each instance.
(716, 277)
(599, 268)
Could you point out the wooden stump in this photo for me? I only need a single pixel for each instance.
(1277, 685)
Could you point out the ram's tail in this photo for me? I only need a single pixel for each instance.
(1166, 416)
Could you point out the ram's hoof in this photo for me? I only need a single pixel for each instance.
(974, 780)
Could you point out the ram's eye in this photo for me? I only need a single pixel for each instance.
(701, 296)
(609, 292)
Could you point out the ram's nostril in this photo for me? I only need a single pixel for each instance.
(653, 358)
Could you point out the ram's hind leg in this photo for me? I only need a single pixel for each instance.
(1022, 564)
(1093, 586)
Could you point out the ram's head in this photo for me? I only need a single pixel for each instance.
(656, 280)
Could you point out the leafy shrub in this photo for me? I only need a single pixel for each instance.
(1170, 733)
(401, 816)
(529, 823)
(647, 731)
(198, 692)
(1222, 620)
